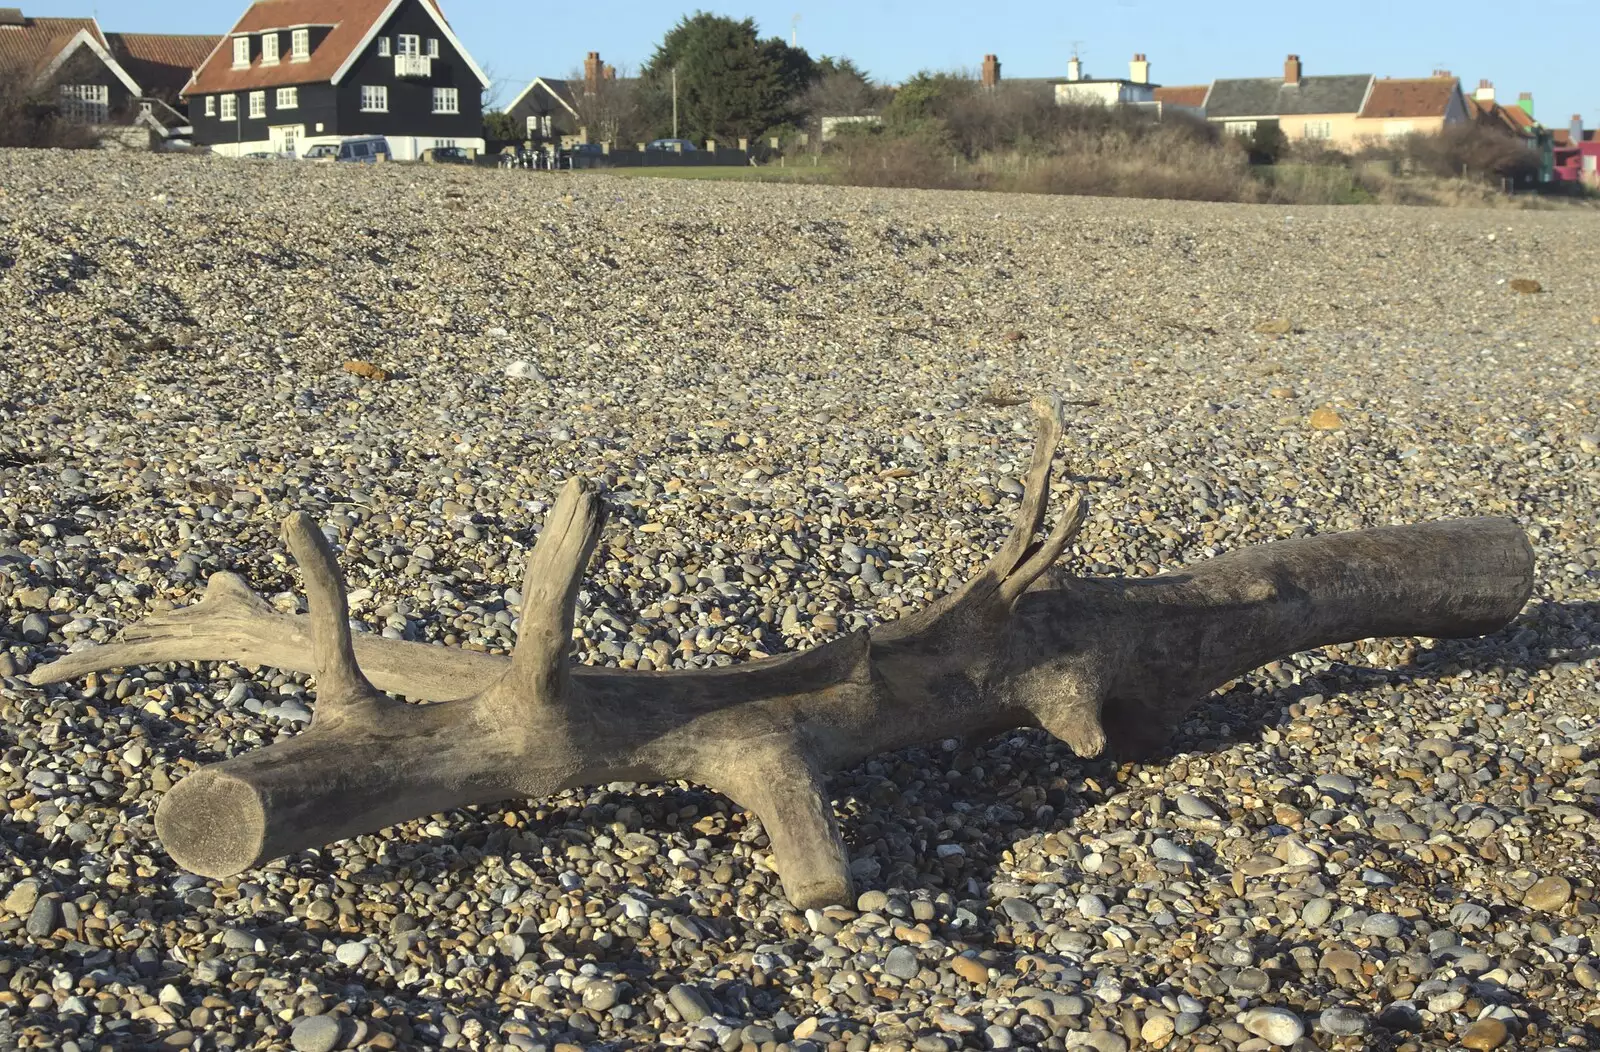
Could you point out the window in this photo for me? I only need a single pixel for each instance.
(1318, 130)
(385, 47)
(446, 100)
(89, 103)
(230, 107)
(288, 98)
(1240, 127)
(300, 45)
(374, 98)
(410, 44)
(269, 49)
(433, 47)
(211, 105)
(241, 52)
(258, 105)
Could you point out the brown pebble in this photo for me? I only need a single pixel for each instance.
(971, 969)
(365, 369)
(1485, 1033)
(1325, 419)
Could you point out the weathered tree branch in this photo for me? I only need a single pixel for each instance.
(1092, 661)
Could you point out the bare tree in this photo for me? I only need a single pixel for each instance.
(1093, 662)
(608, 106)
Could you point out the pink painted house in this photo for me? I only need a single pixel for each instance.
(1577, 154)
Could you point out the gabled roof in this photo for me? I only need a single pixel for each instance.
(1185, 95)
(27, 49)
(1421, 97)
(162, 63)
(352, 26)
(1271, 97)
(1513, 119)
(557, 88)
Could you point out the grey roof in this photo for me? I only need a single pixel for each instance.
(1271, 97)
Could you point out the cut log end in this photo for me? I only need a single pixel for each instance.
(213, 824)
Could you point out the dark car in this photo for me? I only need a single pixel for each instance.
(672, 145)
(450, 155)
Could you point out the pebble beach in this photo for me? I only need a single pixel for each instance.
(806, 408)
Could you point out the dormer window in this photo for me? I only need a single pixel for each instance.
(241, 52)
(385, 47)
(300, 45)
(269, 49)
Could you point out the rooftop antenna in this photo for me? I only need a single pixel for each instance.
(794, 31)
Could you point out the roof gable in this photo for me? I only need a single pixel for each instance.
(352, 25)
(1272, 97)
(94, 42)
(27, 49)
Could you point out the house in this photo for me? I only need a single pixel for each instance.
(1486, 112)
(1076, 89)
(1397, 107)
(1577, 153)
(1134, 89)
(558, 109)
(99, 78)
(292, 74)
(1315, 108)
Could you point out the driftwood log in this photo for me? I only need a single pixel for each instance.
(1092, 661)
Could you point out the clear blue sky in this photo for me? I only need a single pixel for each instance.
(1547, 48)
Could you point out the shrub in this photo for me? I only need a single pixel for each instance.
(31, 118)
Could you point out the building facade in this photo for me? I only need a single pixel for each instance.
(297, 73)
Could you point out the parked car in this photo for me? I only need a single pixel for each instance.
(672, 145)
(367, 149)
(450, 155)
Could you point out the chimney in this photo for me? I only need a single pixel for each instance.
(1575, 133)
(991, 71)
(1485, 92)
(1139, 69)
(591, 73)
(1291, 71)
(1074, 68)
(1525, 100)
(609, 72)
(1441, 74)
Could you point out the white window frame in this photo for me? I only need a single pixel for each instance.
(446, 100)
(377, 101)
(288, 98)
(408, 44)
(385, 47)
(1317, 131)
(300, 45)
(433, 47)
(90, 103)
(258, 105)
(241, 52)
(269, 49)
(211, 105)
(1240, 127)
(230, 108)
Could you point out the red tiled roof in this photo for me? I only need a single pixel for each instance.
(350, 19)
(1186, 95)
(28, 49)
(1513, 119)
(1420, 97)
(162, 63)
